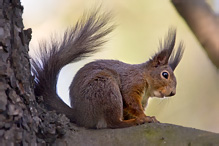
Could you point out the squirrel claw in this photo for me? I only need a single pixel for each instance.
(146, 119)
(153, 120)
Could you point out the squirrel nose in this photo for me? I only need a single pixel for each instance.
(172, 93)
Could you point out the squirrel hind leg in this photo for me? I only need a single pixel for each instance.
(99, 103)
(113, 110)
(111, 101)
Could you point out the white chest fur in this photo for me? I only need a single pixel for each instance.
(145, 96)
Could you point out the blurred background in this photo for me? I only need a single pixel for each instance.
(140, 26)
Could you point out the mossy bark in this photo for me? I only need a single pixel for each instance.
(147, 134)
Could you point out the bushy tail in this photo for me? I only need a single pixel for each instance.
(77, 42)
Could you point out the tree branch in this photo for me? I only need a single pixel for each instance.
(146, 134)
(204, 24)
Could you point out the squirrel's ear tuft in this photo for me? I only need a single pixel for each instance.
(165, 50)
(176, 57)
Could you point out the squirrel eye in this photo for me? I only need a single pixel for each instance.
(165, 74)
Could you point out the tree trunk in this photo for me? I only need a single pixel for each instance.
(24, 122)
(18, 114)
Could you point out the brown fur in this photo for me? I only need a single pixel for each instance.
(104, 93)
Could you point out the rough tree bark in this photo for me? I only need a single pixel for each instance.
(18, 115)
(24, 122)
(204, 23)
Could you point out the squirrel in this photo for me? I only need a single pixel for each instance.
(104, 93)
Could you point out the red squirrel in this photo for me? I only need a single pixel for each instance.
(104, 93)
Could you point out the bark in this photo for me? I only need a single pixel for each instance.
(18, 115)
(204, 23)
(24, 121)
(147, 134)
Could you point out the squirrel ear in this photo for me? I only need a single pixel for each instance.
(165, 50)
(159, 59)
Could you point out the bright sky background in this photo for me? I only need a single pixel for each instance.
(141, 24)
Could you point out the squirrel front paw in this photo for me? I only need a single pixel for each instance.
(152, 119)
(146, 119)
